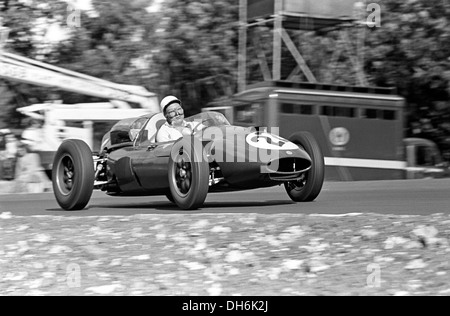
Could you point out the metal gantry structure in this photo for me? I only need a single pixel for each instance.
(302, 15)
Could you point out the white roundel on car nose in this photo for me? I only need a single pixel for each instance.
(269, 141)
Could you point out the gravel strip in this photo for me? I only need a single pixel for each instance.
(225, 254)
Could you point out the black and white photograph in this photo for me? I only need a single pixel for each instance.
(225, 153)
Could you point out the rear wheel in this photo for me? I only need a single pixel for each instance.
(73, 175)
(308, 187)
(188, 175)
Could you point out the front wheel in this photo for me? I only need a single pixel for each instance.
(188, 175)
(73, 175)
(307, 188)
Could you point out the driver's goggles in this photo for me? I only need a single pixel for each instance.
(176, 112)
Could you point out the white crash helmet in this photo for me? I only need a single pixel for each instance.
(168, 101)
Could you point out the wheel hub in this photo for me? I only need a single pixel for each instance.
(183, 175)
(66, 175)
(298, 184)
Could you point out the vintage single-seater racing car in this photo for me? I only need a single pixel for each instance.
(216, 157)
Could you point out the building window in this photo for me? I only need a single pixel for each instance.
(389, 115)
(371, 114)
(75, 124)
(247, 113)
(377, 114)
(302, 109)
(425, 156)
(338, 111)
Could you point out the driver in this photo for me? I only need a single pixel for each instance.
(175, 127)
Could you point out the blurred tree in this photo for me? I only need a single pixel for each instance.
(197, 50)
(27, 22)
(112, 42)
(411, 48)
(411, 51)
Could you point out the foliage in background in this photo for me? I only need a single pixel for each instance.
(197, 44)
(411, 51)
(114, 42)
(26, 22)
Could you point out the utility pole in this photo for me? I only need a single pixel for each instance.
(4, 33)
(277, 40)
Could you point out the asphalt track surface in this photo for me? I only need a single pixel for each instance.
(401, 197)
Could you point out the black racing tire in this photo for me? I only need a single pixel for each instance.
(308, 188)
(188, 174)
(73, 175)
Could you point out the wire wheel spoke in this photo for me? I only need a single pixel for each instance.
(183, 174)
(67, 174)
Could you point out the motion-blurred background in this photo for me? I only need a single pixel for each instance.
(191, 49)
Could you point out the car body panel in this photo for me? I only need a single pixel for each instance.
(139, 166)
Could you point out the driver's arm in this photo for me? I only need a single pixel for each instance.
(163, 135)
(196, 126)
(187, 131)
(167, 134)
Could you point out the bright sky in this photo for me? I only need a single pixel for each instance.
(87, 5)
(84, 5)
(156, 6)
